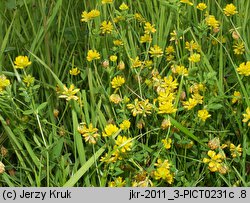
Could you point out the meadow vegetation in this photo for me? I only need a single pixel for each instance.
(124, 93)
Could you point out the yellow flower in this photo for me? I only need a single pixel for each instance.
(246, 116)
(113, 58)
(107, 1)
(28, 79)
(166, 107)
(169, 50)
(87, 16)
(117, 82)
(123, 7)
(181, 70)
(239, 48)
(212, 22)
(148, 63)
(235, 151)
(106, 27)
(123, 144)
(139, 17)
(203, 114)
(125, 125)
(118, 42)
(195, 58)
(115, 98)
(117, 19)
(90, 134)
(163, 171)
(187, 2)
(156, 51)
(118, 182)
(4, 82)
(146, 38)
(244, 69)
(22, 62)
(148, 28)
(198, 98)
(69, 93)
(136, 62)
(201, 6)
(140, 107)
(236, 97)
(214, 162)
(191, 103)
(167, 143)
(93, 55)
(74, 71)
(230, 10)
(109, 130)
(190, 46)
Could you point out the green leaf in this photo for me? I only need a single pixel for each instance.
(42, 106)
(28, 112)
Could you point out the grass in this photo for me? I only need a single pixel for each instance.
(46, 136)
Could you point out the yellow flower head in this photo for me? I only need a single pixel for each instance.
(136, 62)
(118, 42)
(146, 38)
(236, 97)
(89, 133)
(246, 116)
(230, 10)
(191, 103)
(125, 125)
(113, 58)
(156, 51)
(214, 161)
(109, 130)
(123, 7)
(170, 50)
(201, 6)
(239, 48)
(166, 108)
(244, 69)
(93, 55)
(118, 182)
(117, 82)
(192, 45)
(163, 171)
(74, 71)
(139, 18)
(87, 16)
(4, 82)
(69, 93)
(203, 115)
(106, 27)
(195, 58)
(167, 143)
(22, 62)
(140, 107)
(181, 70)
(149, 28)
(235, 151)
(212, 22)
(123, 144)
